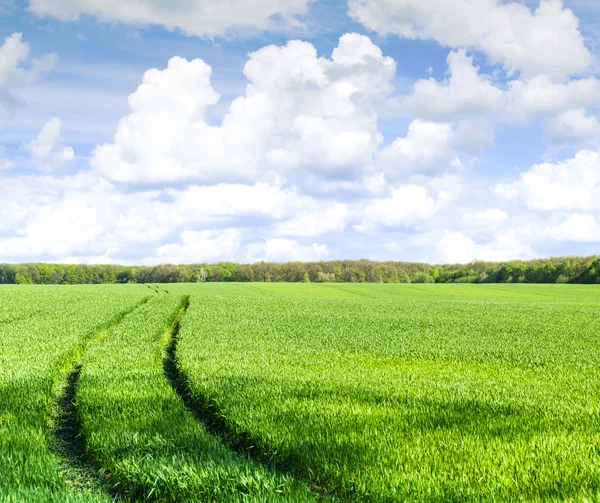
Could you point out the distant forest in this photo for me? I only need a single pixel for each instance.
(554, 270)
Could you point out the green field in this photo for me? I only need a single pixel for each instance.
(300, 392)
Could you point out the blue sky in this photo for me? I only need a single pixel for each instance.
(397, 129)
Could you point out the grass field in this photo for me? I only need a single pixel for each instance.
(295, 392)
(43, 332)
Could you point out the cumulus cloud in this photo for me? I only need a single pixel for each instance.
(154, 143)
(541, 97)
(284, 250)
(464, 93)
(472, 102)
(578, 227)
(310, 121)
(218, 206)
(544, 41)
(456, 247)
(24, 197)
(574, 127)
(201, 246)
(315, 223)
(13, 54)
(571, 185)
(301, 115)
(46, 150)
(298, 159)
(202, 204)
(85, 218)
(427, 148)
(49, 217)
(406, 206)
(203, 18)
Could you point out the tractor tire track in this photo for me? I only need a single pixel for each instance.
(66, 439)
(208, 414)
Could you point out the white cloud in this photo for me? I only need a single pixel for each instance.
(46, 150)
(311, 122)
(202, 246)
(449, 188)
(574, 127)
(576, 228)
(491, 215)
(315, 223)
(475, 101)
(301, 115)
(465, 93)
(571, 185)
(285, 250)
(201, 203)
(540, 96)
(23, 198)
(427, 148)
(456, 247)
(84, 216)
(365, 186)
(167, 109)
(299, 158)
(13, 54)
(204, 18)
(52, 218)
(60, 219)
(406, 206)
(545, 41)
(220, 205)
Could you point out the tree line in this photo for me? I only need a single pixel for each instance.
(582, 270)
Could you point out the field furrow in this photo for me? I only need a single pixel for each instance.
(139, 433)
(67, 439)
(215, 424)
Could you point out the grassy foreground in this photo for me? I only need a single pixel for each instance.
(407, 393)
(139, 432)
(42, 332)
(359, 392)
